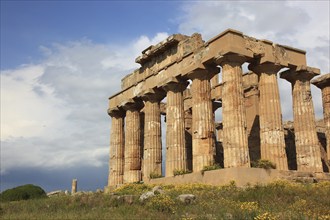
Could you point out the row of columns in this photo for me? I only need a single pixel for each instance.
(323, 83)
(125, 154)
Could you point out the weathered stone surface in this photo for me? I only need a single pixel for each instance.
(251, 127)
(152, 156)
(116, 165)
(176, 152)
(55, 193)
(187, 198)
(188, 136)
(251, 105)
(202, 119)
(307, 144)
(74, 186)
(132, 155)
(272, 143)
(235, 141)
(192, 53)
(146, 196)
(158, 190)
(323, 82)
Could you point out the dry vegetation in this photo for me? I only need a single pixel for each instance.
(279, 200)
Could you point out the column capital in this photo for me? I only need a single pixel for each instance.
(116, 112)
(206, 73)
(174, 84)
(322, 81)
(230, 58)
(153, 95)
(302, 73)
(264, 67)
(131, 104)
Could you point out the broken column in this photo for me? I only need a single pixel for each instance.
(323, 82)
(116, 165)
(272, 142)
(176, 152)
(74, 186)
(202, 119)
(152, 156)
(307, 145)
(132, 165)
(235, 141)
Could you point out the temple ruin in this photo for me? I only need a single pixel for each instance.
(180, 79)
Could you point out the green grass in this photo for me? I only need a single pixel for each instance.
(279, 200)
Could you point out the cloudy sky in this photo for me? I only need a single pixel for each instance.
(61, 60)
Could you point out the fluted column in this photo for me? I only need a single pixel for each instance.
(272, 142)
(215, 80)
(132, 167)
(202, 120)
(176, 152)
(323, 82)
(116, 163)
(235, 140)
(188, 121)
(152, 156)
(307, 144)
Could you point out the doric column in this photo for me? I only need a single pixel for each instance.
(272, 142)
(116, 163)
(215, 80)
(132, 167)
(307, 145)
(202, 119)
(176, 152)
(188, 122)
(152, 156)
(235, 140)
(323, 82)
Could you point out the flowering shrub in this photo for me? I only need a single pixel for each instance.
(155, 175)
(180, 172)
(249, 206)
(162, 203)
(211, 167)
(265, 216)
(132, 189)
(266, 164)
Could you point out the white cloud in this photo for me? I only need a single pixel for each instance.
(300, 24)
(53, 114)
(124, 57)
(26, 104)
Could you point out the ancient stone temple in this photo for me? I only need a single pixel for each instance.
(187, 80)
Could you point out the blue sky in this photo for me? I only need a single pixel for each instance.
(61, 60)
(26, 25)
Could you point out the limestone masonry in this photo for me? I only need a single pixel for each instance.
(185, 70)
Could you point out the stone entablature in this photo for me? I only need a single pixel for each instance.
(194, 55)
(251, 126)
(156, 58)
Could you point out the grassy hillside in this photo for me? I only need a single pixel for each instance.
(279, 200)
